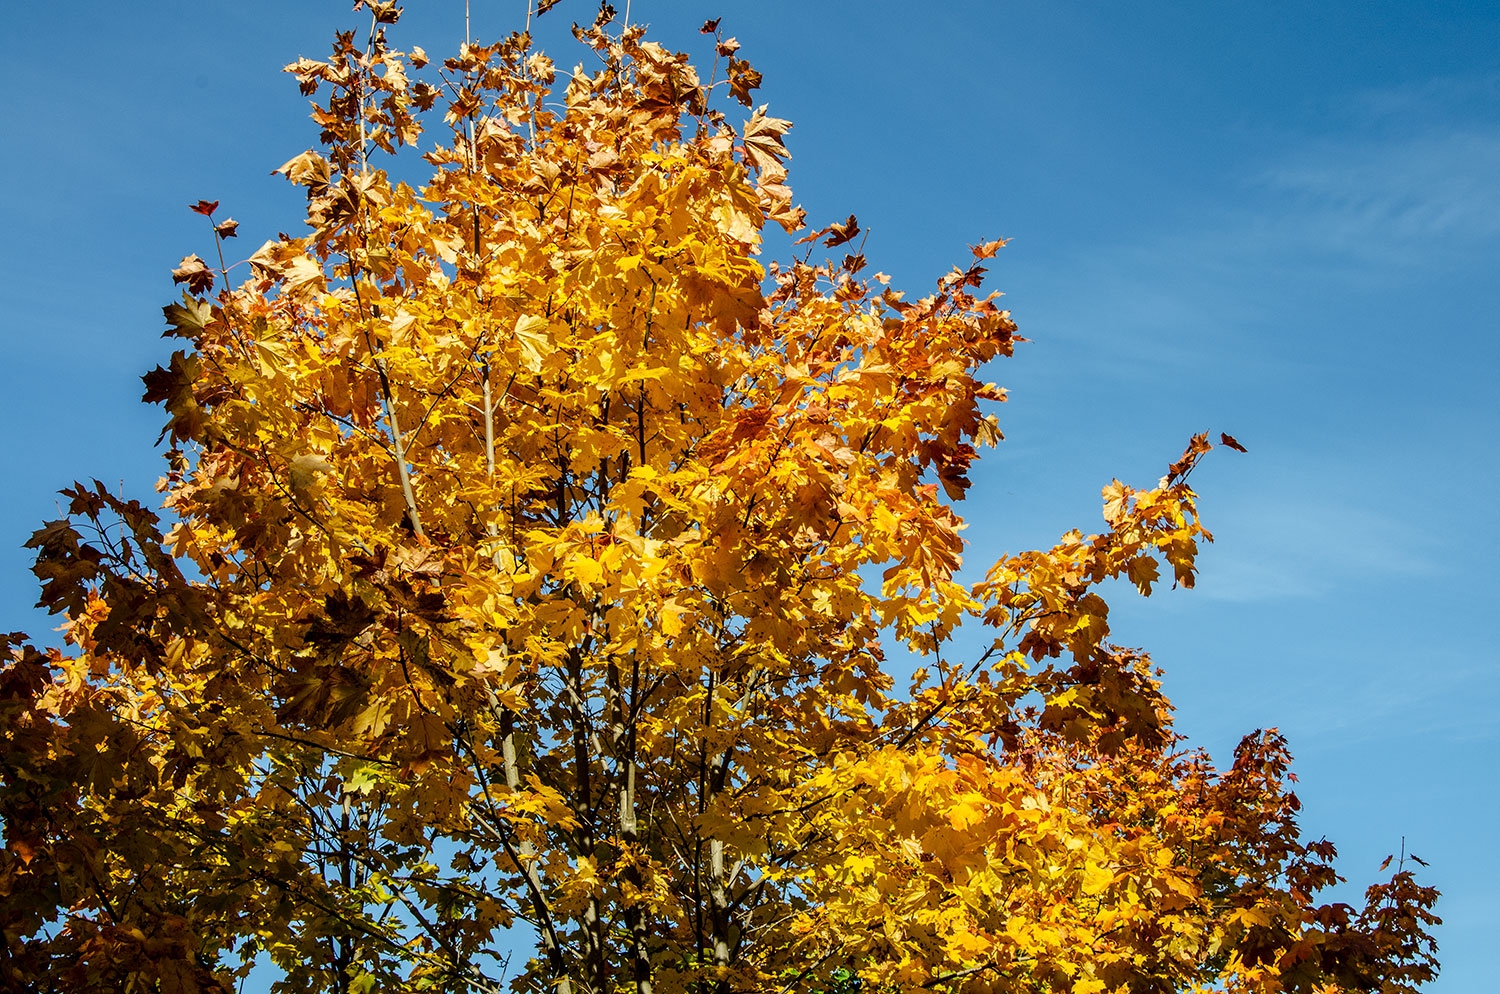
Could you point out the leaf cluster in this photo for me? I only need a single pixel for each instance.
(528, 555)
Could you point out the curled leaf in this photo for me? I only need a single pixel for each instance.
(837, 234)
(763, 141)
(195, 273)
(308, 169)
(1231, 442)
(987, 250)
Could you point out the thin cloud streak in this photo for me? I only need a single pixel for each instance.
(1389, 202)
(1409, 189)
(1316, 548)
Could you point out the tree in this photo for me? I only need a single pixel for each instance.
(527, 555)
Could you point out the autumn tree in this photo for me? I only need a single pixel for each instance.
(528, 554)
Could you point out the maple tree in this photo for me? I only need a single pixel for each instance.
(526, 559)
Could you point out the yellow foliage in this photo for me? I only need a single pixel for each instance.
(534, 549)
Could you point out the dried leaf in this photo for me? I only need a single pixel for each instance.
(743, 79)
(1230, 441)
(308, 169)
(195, 273)
(763, 140)
(987, 250)
(837, 234)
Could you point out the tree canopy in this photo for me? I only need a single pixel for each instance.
(528, 556)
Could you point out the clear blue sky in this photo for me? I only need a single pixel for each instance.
(1278, 219)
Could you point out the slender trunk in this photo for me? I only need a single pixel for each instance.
(402, 470)
(718, 896)
(524, 858)
(630, 838)
(345, 943)
(387, 398)
(595, 950)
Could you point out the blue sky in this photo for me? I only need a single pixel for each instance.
(1280, 220)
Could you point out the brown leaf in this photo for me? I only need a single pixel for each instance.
(838, 234)
(776, 201)
(959, 278)
(763, 142)
(1230, 441)
(226, 228)
(308, 169)
(204, 207)
(195, 273)
(987, 250)
(743, 78)
(385, 11)
(1178, 471)
(309, 73)
(728, 46)
(709, 27)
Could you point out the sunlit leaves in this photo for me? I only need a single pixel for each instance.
(530, 556)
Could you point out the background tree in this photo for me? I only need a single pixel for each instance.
(528, 559)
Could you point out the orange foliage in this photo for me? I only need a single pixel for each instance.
(516, 570)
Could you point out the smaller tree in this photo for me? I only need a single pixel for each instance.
(527, 557)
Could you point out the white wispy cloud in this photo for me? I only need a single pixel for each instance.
(1404, 185)
(1270, 550)
(1387, 199)
(1256, 296)
(1414, 164)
